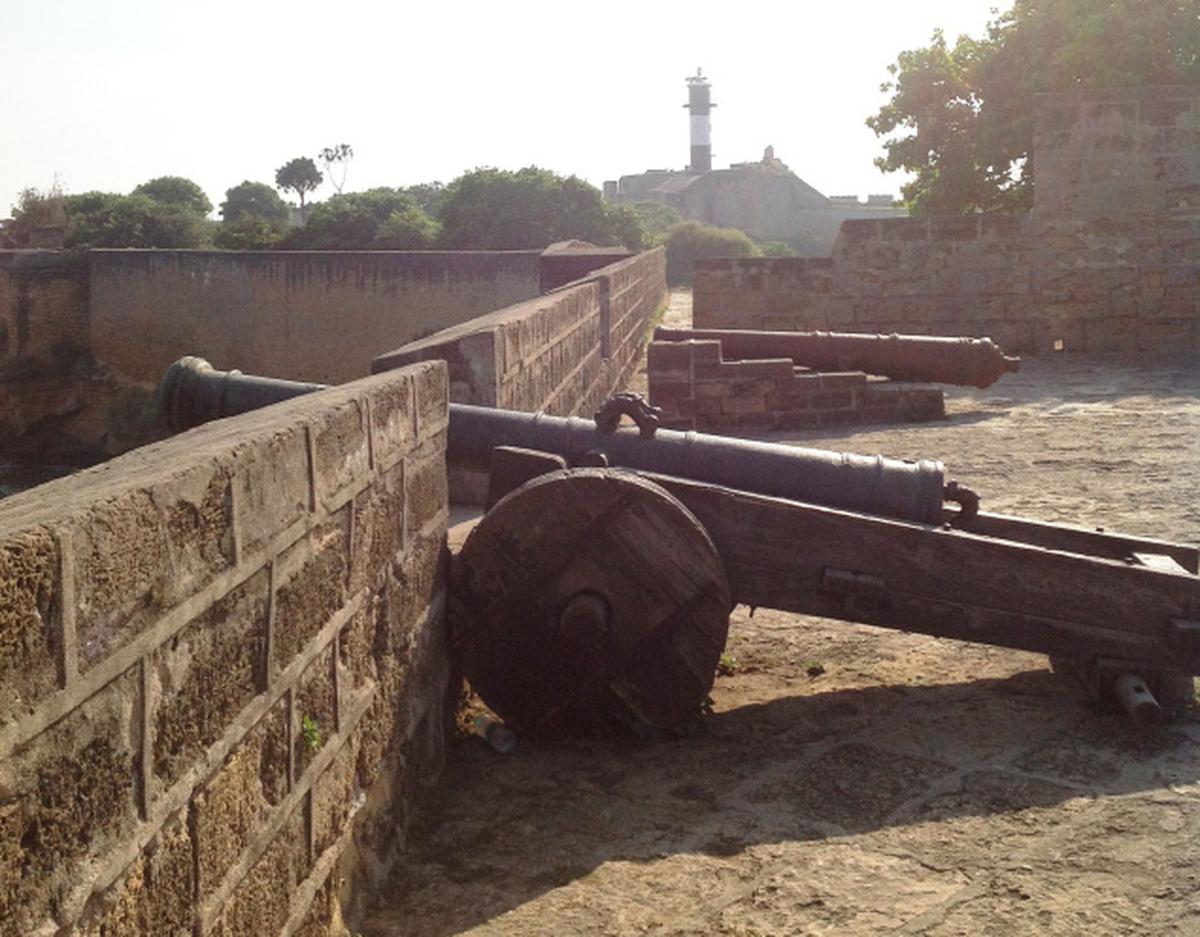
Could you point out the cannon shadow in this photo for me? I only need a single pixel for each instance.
(876, 763)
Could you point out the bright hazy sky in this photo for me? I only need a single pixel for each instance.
(105, 94)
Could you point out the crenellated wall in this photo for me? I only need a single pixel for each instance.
(564, 352)
(222, 669)
(1109, 260)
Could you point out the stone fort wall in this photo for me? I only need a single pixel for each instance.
(222, 669)
(1108, 260)
(85, 340)
(563, 353)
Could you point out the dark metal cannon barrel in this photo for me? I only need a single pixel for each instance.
(911, 490)
(193, 392)
(974, 362)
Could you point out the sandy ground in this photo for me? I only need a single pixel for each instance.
(858, 781)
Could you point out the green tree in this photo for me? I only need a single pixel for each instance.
(256, 199)
(960, 118)
(178, 191)
(248, 233)
(378, 218)
(429, 196)
(692, 241)
(657, 220)
(105, 219)
(35, 209)
(300, 175)
(494, 209)
(407, 229)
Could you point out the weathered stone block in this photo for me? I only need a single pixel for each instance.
(432, 395)
(416, 582)
(671, 360)
(705, 353)
(315, 712)
(740, 388)
(393, 420)
(832, 400)
(841, 380)
(271, 487)
(378, 532)
(262, 901)
(69, 795)
(333, 797)
(1177, 335)
(206, 675)
(357, 644)
(767, 369)
(155, 896)
(709, 390)
(748, 404)
(143, 551)
(427, 496)
(29, 620)
(310, 586)
(230, 811)
(668, 393)
(341, 450)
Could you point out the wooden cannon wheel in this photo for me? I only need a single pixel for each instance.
(588, 601)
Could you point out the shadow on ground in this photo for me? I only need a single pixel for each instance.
(795, 768)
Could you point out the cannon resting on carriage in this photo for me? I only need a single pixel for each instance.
(595, 592)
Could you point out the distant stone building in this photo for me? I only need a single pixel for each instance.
(765, 199)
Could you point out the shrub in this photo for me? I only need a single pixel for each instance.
(692, 241)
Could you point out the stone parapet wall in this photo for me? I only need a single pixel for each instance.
(563, 353)
(1108, 262)
(308, 316)
(698, 389)
(84, 340)
(222, 669)
(49, 383)
(1031, 283)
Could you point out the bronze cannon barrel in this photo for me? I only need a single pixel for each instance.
(911, 490)
(193, 392)
(974, 362)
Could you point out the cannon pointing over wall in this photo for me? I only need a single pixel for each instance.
(592, 597)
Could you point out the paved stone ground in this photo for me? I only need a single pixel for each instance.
(859, 781)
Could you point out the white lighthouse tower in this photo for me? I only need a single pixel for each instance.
(699, 105)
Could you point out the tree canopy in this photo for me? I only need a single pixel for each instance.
(960, 118)
(378, 218)
(35, 209)
(105, 219)
(495, 209)
(253, 198)
(692, 241)
(299, 175)
(178, 191)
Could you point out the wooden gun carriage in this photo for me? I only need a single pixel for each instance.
(595, 592)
